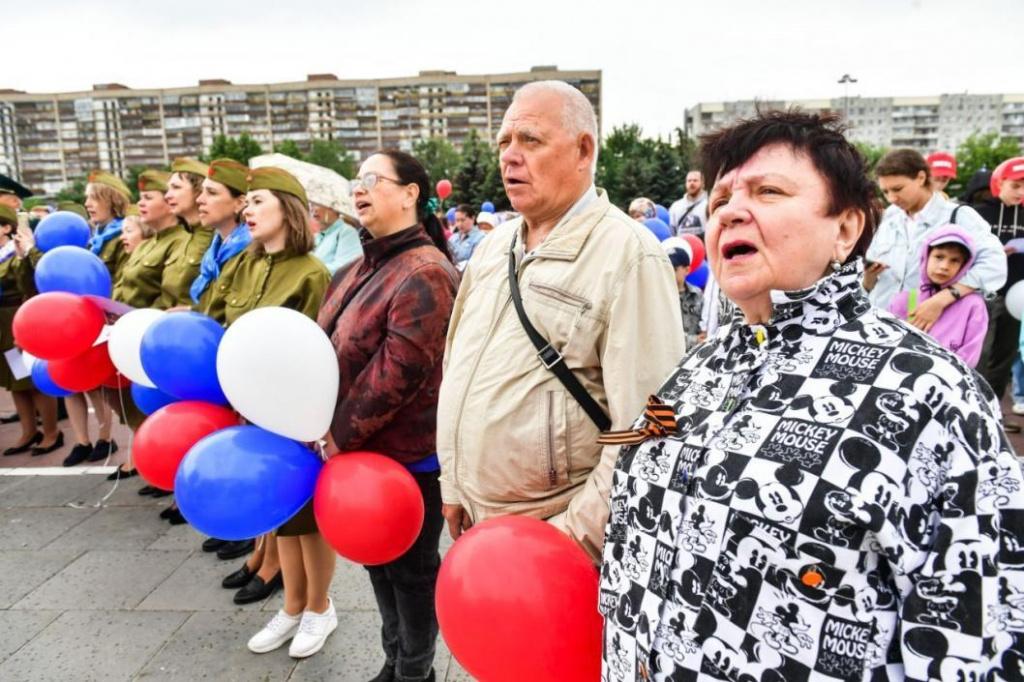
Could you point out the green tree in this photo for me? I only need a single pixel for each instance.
(666, 176)
(133, 180)
(438, 156)
(872, 154)
(74, 192)
(493, 187)
(471, 176)
(982, 151)
(289, 148)
(241, 148)
(333, 155)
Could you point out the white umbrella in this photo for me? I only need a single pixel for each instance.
(323, 186)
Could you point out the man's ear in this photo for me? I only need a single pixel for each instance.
(587, 146)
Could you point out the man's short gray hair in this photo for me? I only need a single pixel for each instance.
(578, 114)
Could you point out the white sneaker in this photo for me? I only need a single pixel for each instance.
(279, 630)
(1018, 408)
(313, 631)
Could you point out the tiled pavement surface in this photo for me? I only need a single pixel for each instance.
(94, 589)
(105, 590)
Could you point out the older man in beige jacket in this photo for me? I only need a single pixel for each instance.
(596, 284)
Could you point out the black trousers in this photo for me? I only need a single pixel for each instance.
(1000, 347)
(405, 592)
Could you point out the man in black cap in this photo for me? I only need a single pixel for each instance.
(12, 192)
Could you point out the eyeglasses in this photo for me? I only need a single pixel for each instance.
(370, 180)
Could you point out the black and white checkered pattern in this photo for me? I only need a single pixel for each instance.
(840, 503)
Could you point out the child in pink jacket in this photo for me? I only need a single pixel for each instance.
(946, 256)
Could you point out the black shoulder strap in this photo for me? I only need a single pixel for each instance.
(549, 356)
(952, 218)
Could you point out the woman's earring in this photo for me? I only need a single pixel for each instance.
(836, 265)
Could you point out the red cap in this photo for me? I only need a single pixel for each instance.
(995, 184)
(942, 164)
(1014, 169)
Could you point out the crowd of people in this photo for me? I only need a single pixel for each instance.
(791, 472)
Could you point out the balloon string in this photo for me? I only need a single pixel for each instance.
(321, 446)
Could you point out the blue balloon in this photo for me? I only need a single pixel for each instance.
(662, 213)
(41, 378)
(179, 355)
(450, 215)
(62, 228)
(74, 270)
(149, 400)
(487, 206)
(659, 228)
(699, 277)
(243, 481)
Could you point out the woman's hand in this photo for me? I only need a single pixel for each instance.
(24, 240)
(928, 312)
(871, 274)
(457, 518)
(179, 309)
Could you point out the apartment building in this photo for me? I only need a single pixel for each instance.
(923, 123)
(49, 140)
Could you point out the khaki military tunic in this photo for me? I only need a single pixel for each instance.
(251, 281)
(142, 277)
(16, 286)
(183, 268)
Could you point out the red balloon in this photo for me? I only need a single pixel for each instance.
(169, 433)
(517, 600)
(117, 381)
(368, 507)
(697, 246)
(57, 325)
(444, 189)
(83, 372)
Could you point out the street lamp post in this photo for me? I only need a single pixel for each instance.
(845, 82)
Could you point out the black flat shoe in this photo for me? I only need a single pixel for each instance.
(10, 419)
(257, 590)
(146, 490)
(175, 518)
(102, 450)
(161, 493)
(166, 513)
(36, 438)
(121, 473)
(239, 578)
(79, 453)
(234, 550)
(57, 445)
(213, 544)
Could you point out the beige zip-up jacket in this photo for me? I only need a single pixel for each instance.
(510, 438)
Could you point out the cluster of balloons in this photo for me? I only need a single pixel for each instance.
(517, 600)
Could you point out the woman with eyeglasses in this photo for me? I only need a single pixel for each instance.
(278, 269)
(387, 315)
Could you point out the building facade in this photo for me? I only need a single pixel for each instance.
(926, 124)
(49, 140)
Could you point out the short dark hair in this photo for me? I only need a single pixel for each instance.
(466, 210)
(821, 137)
(964, 253)
(905, 162)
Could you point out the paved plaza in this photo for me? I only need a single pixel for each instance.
(94, 586)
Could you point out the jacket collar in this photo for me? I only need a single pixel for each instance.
(376, 251)
(819, 309)
(569, 236)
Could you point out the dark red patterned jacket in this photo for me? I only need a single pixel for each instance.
(390, 339)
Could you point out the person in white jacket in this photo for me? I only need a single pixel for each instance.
(915, 212)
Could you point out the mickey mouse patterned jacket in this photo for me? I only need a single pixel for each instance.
(839, 502)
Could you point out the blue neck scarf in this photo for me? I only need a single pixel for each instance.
(219, 253)
(111, 230)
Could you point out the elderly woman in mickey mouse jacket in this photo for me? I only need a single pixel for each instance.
(819, 492)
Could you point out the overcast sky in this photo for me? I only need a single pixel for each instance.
(657, 58)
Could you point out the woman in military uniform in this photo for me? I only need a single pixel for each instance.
(107, 199)
(183, 189)
(221, 203)
(278, 269)
(16, 285)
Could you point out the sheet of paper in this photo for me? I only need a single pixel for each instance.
(19, 368)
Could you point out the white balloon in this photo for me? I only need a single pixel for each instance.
(1015, 299)
(279, 370)
(125, 343)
